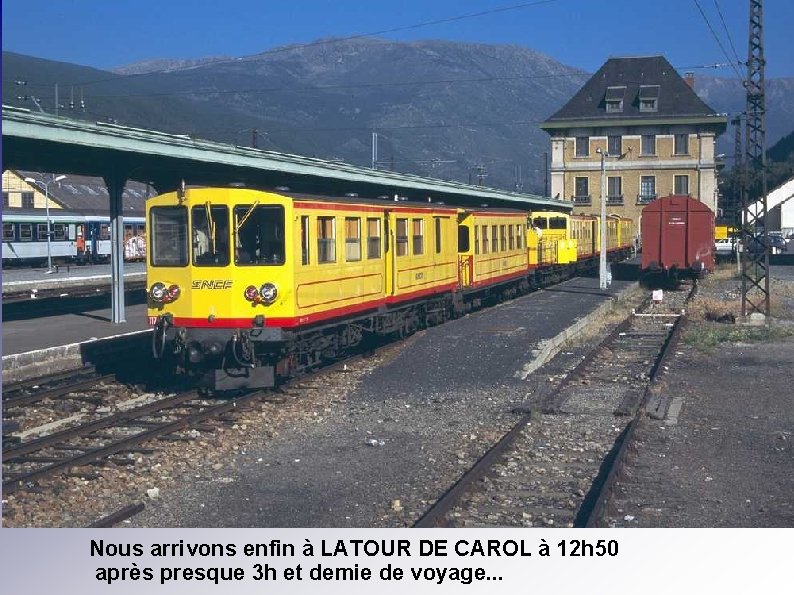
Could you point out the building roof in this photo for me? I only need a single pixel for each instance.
(626, 81)
(89, 195)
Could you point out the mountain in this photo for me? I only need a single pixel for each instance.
(440, 109)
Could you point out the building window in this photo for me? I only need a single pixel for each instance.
(326, 240)
(352, 239)
(649, 98)
(27, 200)
(8, 231)
(582, 189)
(615, 145)
(613, 100)
(402, 237)
(682, 185)
(648, 144)
(418, 237)
(373, 238)
(682, 144)
(647, 189)
(614, 188)
(6, 204)
(582, 146)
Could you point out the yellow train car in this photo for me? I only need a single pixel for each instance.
(492, 247)
(234, 274)
(584, 229)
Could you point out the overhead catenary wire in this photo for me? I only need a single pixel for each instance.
(727, 33)
(717, 39)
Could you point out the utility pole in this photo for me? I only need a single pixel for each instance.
(254, 138)
(602, 260)
(546, 173)
(374, 150)
(481, 174)
(755, 242)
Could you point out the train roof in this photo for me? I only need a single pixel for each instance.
(14, 214)
(382, 201)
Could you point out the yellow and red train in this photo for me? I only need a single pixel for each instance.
(246, 286)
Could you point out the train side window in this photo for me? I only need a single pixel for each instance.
(8, 232)
(476, 239)
(494, 238)
(402, 237)
(26, 232)
(41, 231)
(540, 222)
(352, 239)
(127, 231)
(60, 232)
(304, 239)
(463, 238)
(418, 236)
(520, 236)
(104, 231)
(511, 240)
(438, 234)
(373, 238)
(485, 246)
(502, 238)
(326, 239)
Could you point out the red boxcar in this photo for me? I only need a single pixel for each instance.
(677, 237)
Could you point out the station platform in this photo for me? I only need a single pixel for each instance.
(25, 283)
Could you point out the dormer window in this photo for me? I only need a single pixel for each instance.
(649, 98)
(613, 100)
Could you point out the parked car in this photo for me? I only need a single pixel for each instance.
(725, 247)
(777, 243)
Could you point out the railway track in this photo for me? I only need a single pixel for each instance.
(97, 441)
(555, 467)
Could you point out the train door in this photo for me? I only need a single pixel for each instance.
(80, 242)
(389, 260)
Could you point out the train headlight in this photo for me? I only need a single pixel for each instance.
(174, 292)
(269, 292)
(158, 292)
(251, 293)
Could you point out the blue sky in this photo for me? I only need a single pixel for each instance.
(581, 33)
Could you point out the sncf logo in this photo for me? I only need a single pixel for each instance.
(212, 284)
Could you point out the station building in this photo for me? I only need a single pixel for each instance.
(658, 136)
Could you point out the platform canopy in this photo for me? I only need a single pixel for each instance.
(48, 143)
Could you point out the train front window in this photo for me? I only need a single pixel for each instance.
(168, 236)
(210, 235)
(259, 235)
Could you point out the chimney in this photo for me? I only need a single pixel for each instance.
(689, 79)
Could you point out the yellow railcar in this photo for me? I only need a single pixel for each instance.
(492, 248)
(235, 273)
